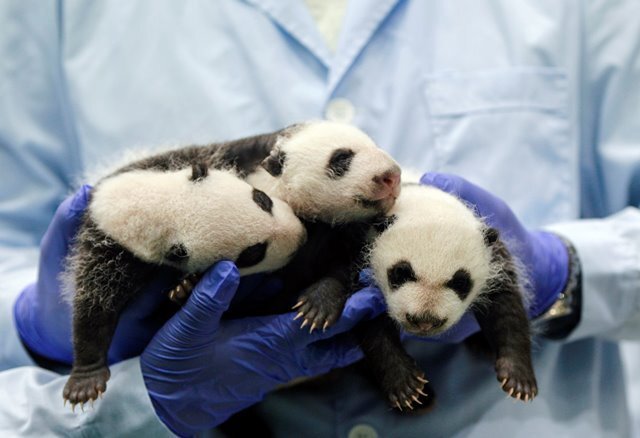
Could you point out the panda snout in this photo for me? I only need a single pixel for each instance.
(387, 184)
(425, 323)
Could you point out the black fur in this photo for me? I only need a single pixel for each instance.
(199, 171)
(263, 200)
(339, 163)
(461, 283)
(100, 296)
(400, 273)
(380, 225)
(177, 253)
(275, 162)
(252, 255)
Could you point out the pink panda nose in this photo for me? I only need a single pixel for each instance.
(387, 184)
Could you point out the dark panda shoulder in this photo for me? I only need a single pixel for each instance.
(243, 155)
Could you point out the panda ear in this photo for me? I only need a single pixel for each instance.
(380, 224)
(199, 171)
(491, 236)
(274, 162)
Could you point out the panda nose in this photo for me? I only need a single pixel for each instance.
(426, 322)
(387, 184)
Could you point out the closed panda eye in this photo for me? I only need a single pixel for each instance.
(263, 200)
(400, 273)
(461, 283)
(339, 162)
(177, 253)
(252, 255)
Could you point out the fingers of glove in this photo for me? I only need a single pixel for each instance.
(362, 305)
(487, 205)
(199, 318)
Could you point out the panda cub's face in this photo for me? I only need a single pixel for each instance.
(431, 261)
(331, 172)
(195, 217)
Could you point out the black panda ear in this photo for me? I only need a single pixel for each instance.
(177, 253)
(380, 224)
(199, 171)
(491, 236)
(274, 162)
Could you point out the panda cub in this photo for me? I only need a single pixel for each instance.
(140, 221)
(434, 260)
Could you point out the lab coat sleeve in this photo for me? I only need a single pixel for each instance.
(31, 405)
(38, 159)
(609, 248)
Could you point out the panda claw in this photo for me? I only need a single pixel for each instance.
(504, 382)
(415, 399)
(421, 392)
(298, 304)
(422, 379)
(100, 394)
(312, 328)
(304, 323)
(324, 327)
(511, 392)
(298, 316)
(172, 295)
(73, 408)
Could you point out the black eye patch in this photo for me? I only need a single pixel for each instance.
(461, 283)
(339, 163)
(252, 255)
(400, 273)
(263, 200)
(177, 253)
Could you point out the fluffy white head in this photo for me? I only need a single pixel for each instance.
(192, 218)
(432, 261)
(331, 172)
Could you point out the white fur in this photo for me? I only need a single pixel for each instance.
(147, 211)
(438, 235)
(304, 183)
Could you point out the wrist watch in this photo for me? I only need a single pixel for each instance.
(564, 315)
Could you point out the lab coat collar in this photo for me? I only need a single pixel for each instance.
(362, 19)
(295, 19)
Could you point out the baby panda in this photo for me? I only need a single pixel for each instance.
(141, 220)
(434, 260)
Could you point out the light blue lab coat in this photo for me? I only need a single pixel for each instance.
(537, 101)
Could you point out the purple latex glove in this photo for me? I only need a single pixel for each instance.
(43, 316)
(542, 254)
(199, 369)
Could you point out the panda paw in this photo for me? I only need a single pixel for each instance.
(516, 379)
(321, 304)
(181, 292)
(85, 386)
(409, 386)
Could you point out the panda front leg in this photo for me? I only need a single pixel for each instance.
(321, 304)
(392, 369)
(505, 325)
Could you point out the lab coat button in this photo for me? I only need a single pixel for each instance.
(340, 110)
(363, 431)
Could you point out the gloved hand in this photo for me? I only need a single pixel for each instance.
(43, 316)
(543, 254)
(199, 369)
